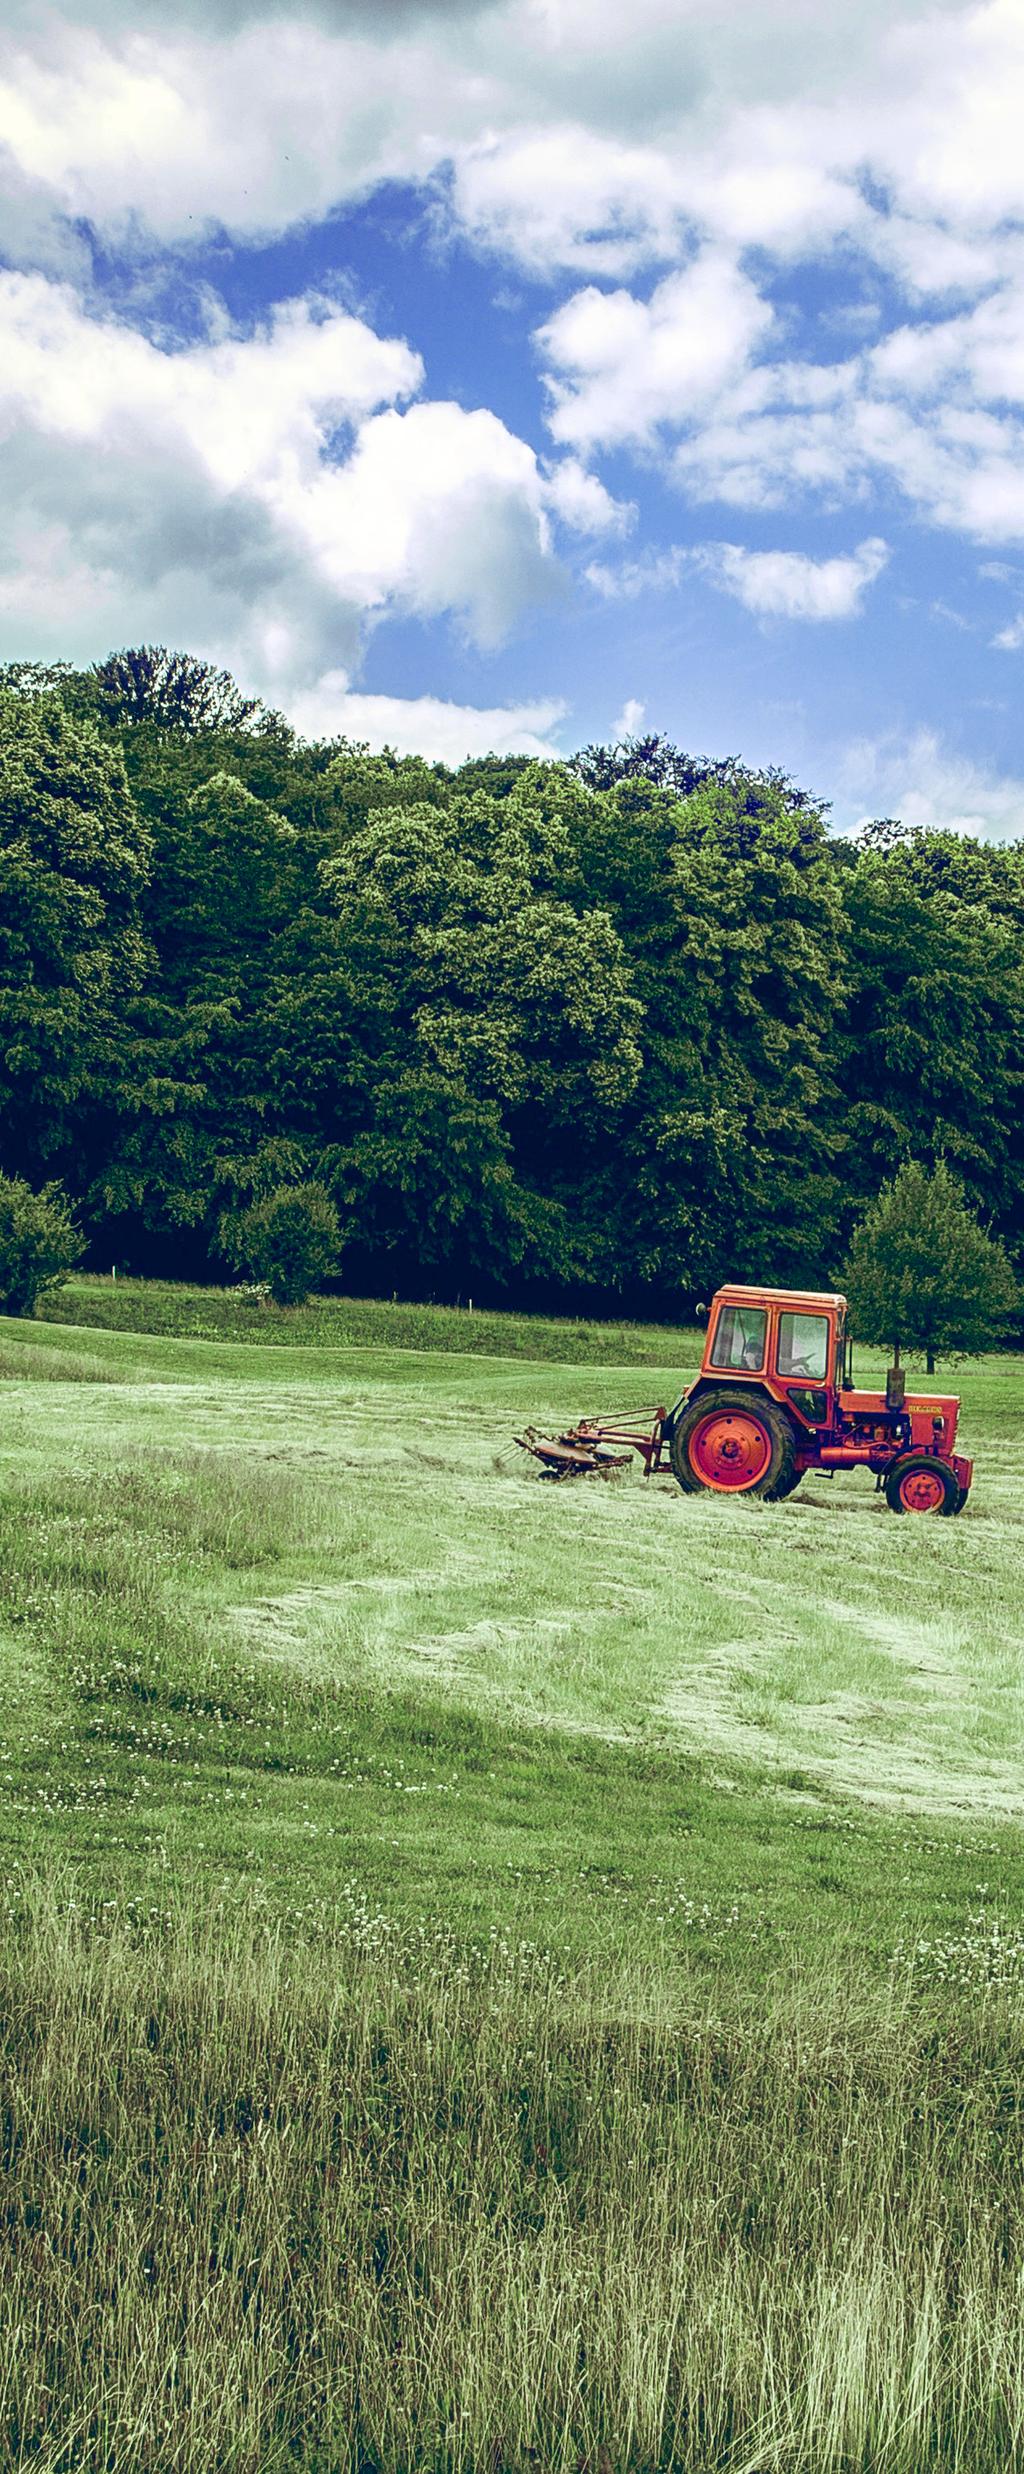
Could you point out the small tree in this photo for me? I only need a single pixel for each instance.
(923, 1276)
(39, 1244)
(291, 1239)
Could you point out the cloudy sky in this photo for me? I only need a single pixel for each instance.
(511, 373)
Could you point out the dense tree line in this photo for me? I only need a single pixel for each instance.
(610, 1029)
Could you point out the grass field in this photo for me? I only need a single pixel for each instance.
(166, 1306)
(494, 1974)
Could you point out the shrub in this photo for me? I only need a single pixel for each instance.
(290, 1242)
(39, 1243)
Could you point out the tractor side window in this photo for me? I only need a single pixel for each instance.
(739, 1339)
(803, 1346)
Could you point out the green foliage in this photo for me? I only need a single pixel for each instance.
(74, 858)
(610, 1030)
(933, 1035)
(728, 907)
(291, 1240)
(505, 1028)
(176, 691)
(39, 1244)
(922, 1276)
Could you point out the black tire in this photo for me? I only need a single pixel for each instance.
(776, 1478)
(786, 1486)
(923, 1464)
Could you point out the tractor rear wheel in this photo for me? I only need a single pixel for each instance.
(733, 1443)
(920, 1483)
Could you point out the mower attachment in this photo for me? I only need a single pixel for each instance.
(598, 1445)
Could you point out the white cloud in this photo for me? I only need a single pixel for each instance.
(927, 783)
(257, 497)
(630, 720)
(621, 368)
(247, 407)
(654, 571)
(773, 439)
(568, 196)
(771, 583)
(437, 509)
(1011, 637)
(425, 725)
(582, 503)
(210, 492)
(574, 141)
(788, 584)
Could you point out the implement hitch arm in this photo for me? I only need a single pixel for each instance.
(598, 1445)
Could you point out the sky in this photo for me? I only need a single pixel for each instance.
(511, 374)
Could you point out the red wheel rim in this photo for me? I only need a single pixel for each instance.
(730, 1451)
(922, 1490)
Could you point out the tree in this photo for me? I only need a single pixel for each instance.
(476, 1038)
(923, 1275)
(74, 859)
(291, 1240)
(729, 911)
(39, 1244)
(666, 767)
(930, 1044)
(177, 691)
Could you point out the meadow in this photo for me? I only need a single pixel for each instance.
(495, 1975)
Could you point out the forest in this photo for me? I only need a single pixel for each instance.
(602, 1030)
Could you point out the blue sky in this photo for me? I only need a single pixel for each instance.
(471, 373)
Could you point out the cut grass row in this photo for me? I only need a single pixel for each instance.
(495, 1976)
(244, 1643)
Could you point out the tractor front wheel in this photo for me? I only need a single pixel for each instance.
(733, 1444)
(920, 1483)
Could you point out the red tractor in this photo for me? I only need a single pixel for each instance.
(773, 1399)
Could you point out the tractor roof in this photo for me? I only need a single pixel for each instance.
(780, 1297)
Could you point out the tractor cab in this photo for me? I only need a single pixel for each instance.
(794, 1342)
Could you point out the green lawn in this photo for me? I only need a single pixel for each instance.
(289, 1617)
(306, 1669)
(166, 1306)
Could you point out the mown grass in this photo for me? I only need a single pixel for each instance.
(496, 1975)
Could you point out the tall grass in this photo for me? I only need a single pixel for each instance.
(364, 2203)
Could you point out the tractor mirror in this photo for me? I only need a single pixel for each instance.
(895, 1388)
(701, 1313)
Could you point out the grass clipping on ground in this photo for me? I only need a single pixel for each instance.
(495, 1975)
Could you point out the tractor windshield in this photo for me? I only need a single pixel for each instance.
(803, 1346)
(739, 1338)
